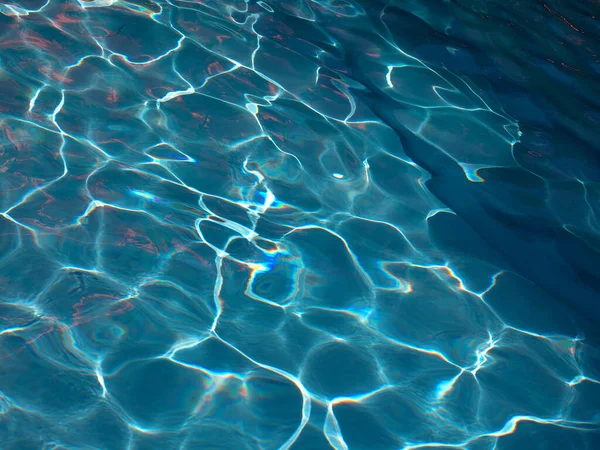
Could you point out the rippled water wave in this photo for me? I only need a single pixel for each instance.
(299, 224)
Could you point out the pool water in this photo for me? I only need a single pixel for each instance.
(299, 224)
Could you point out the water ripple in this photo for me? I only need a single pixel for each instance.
(299, 224)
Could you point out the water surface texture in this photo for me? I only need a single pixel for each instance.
(299, 224)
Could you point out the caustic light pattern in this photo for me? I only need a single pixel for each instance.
(299, 224)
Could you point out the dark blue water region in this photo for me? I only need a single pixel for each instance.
(300, 224)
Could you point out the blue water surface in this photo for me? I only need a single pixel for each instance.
(299, 224)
